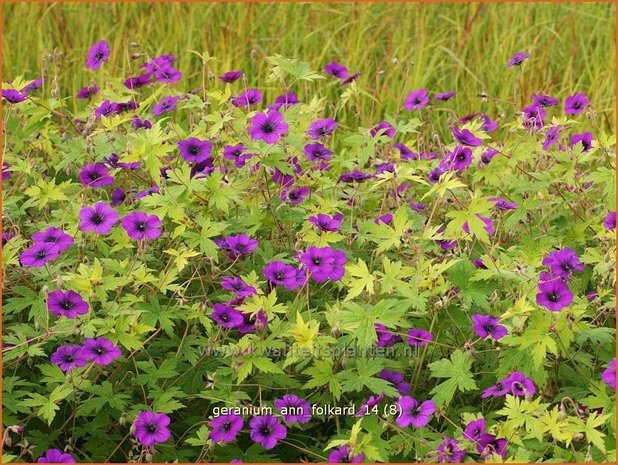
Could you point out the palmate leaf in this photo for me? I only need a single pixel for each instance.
(361, 320)
(473, 293)
(458, 374)
(358, 279)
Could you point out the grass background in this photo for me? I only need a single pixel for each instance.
(397, 47)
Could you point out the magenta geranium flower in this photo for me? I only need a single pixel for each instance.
(396, 379)
(151, 428)
(324, 263)
(140, 225)
(543, 100)
(231, 76)
(68, 357)
(460, 158)
(237, 245)
(563, 263)
(97, 55)
(101, 351)
(293, 409)
(517, 59)
(13, 95)
(488, 326)
(136, 82)
(237, 286)
(489, 445)
(226, 316)
(609, 375)
(551, 137)
(282, 274)
(56, 456)
(326, 223)
(337, 70)
(247, 98)
(383, 127)
(39, 254)
(465, 137)
(296, 195)
(100, 218)
(474, 430)
(166, 105)
(267, 431)
(575, 104)
(414, 413)
(610, 221)
(195, 150)
(269, 127)
(503, 204)
(419, 337)
(449, 452)
(317, 152)
(344, 455)
(237, 154)
(416, 100)
(225, 428)
(54, 236)
(321, 128)
(554, 295)
(168, 74)
(444, 96)
(284, 101)
(66, 303)
(584, 139)
(95, 175)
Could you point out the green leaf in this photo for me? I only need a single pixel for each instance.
(458, 374)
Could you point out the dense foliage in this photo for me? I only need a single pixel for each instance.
(413, 293)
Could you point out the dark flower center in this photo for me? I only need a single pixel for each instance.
(461, 157)
(265, 430)
(226, 426)
(577, 105)
(66, 305)
(278, 275)
(488, 327)
(225, 317)
(268, 127)
(566, 266)
(41, 254)
(241, 247)
(316, 260)
(417, 101)
(93, 175)
(99, 56)
(194, 150)
(151, 428)
(99, 350)
(97, 218)
(141, 227)
(553, 296)
(68, 358)
(321, 131)
(414, 411)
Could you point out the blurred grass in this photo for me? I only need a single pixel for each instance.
(397, 47)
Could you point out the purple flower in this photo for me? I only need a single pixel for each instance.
(488, 326)
(321, 128)
(368, 405)
(343, 455)
(88, 91)
(138, 123)
(444, 96)
(545, 101)
(226, 316)
(387, 218)
(325, 222)
(337, 70)
(517, 59)
(554, 295)
(609, 375)
(266, 430)
(248, 98)
(13, 95)
(66, 303)
(354, 176)
(489, 445)
(416, 100)
(237, 245)
(488, 125)
(405, 153)
(7, 236)
(136, 82)
(474, 430)
(518, 384)
(384, 128)
(225, 428)
(584, 138)
(575, 104)
(251, 323)
(168, 74)
(33, 85)
(95, 175)
(231, 76)
(140, 225)
(99, 218)
(237, 286)
(282, 274)
(166, 105)
(610, 221)
(6, 173)
(465, 137)
(489, 225)
(284, 101)
(460, 157)
(293, 409)
(39, 254)
(434, 175)
(534, 117)
(449, 451)
(195, 150)
(502, 204)
(268, 127)
(295, 196)
(396, 379)
(101, 351)
(317, 152)
(349, 79)
(551, 137)
(118, 196)
(324, 263)
(487, 155)
(413, 413)
(150, 428)
(53, 236)
(56, 456)
(497, 390)
(236, 153)
(385, 337)
(563, 262)
(419, 337)
(146, 192)
(157, 63)
(97, 55)
(106, 109)
(68, 357)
